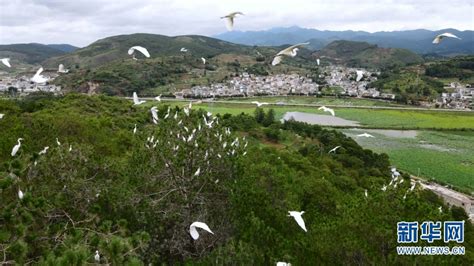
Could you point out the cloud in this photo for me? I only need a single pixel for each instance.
(81, 22)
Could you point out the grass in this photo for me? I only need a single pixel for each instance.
(369, 118)
(442, 156)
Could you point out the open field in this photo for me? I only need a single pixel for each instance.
(442, 156)
(368, 118)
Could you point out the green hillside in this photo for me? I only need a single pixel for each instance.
(108, 189)
(30, 53)
(362, 54)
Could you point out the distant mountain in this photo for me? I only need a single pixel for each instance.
(64, 47)
(30, 53)
(418, 41)
(116, 47)
(362, 54)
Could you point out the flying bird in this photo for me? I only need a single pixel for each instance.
(158, 98)
(360, 75)
(142, 50)
(297, 216)
(203, 60)
(329, 110)
(194, 233)
(183, 50)
(334, 149)
(259, 104)
(43, 151)
(38, 78)
(16, 147)
(6, 61)
(61, 69)
(365, 135)
(290, 51)
(136, 101)
(440, 37)
(229, 20)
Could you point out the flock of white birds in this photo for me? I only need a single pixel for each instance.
(287, 52)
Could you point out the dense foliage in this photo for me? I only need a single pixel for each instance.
(132, 197)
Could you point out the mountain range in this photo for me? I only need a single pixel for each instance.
(34, 53)
(418, 41)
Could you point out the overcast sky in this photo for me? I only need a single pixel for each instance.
(81, 22)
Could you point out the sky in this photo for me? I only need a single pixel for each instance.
(81, 22)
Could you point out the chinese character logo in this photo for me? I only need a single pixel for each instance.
(430, 231)
(454, 231)
(407, 232)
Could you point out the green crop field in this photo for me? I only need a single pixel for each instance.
(442, 156)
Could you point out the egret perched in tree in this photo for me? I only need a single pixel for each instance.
(297, 216)
(384, 188)
(136, 101)
(334, 149)
(135, 129)
(154, 114)
(198, 171)
(70, 147)
(43, 151)
(317, 61)
(259, 104)
(366, 193)
(20, 194)
(229, 20)
(366, 135)
(141, 49)
(97, 256)
(291, 51)
(360, 75)
(413, 186)
(186, 111)
(281, 263)
(158, 98)
(38, 78)
(176, 115)
(183, 50)
(62, 70)
(1, 116)
(57, 142)
(16, 147)
(440, 208)
(194, 233)
(6, 61)
(203, 60)
(325, 109)
(440, 37)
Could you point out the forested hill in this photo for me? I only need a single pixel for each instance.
(132, 195)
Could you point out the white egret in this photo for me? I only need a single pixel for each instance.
(158, 98)
(259, 104)
(193, 231)
(198, 171)
(281, 263)
(20, 194)
(141, 49)
(297, 216)
(183, 50)
(57, 142)
(203, 60)
(6, 61)
(43, 151)
(317, 61)
(384, 188)
(70, 147)
(366, 135)
(440, 37)
(135, 129)
(360, 75)
(229, 20)
(366, 193)
(440, 208)
(186, 111)
(16, 147)
(97, 256)
(62, 70)
(154, 114)
(329, 110)
(1, 116)
(334, 149)
(291, 51)
(38, 78)
(209, 114)
(413, 186)
(136, 101)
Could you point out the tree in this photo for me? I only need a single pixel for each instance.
(259, 115)
(269, 118)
